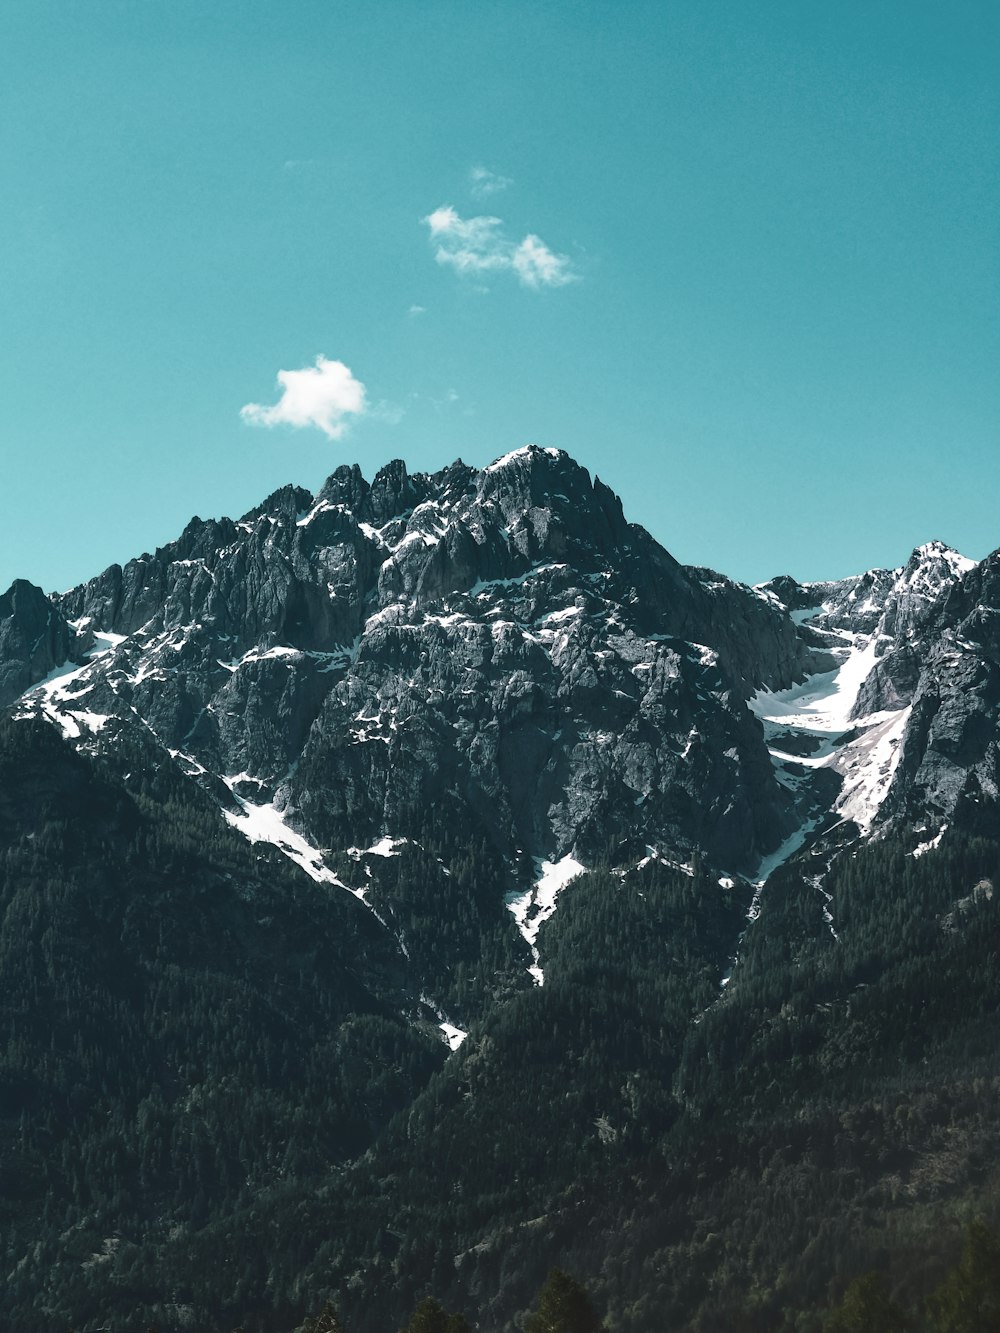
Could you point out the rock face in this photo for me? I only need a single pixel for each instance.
(950, 762)
(501, 648)
(916, 734)
(34, 639)
(501, 640)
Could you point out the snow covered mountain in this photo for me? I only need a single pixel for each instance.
(448, 819)
(907, 718)
(332, 667)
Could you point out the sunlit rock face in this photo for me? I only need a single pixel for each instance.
(504, 642)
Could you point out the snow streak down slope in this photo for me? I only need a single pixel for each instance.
(817, 718)
(532, 908)
(831, 724)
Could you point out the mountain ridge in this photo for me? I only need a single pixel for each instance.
(330, 584)
(481, 723)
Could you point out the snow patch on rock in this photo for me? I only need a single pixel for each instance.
(453, 1036)
(266, 823)
(536, 905)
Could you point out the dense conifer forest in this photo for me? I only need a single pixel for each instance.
(215, 1116)
(966, 1299)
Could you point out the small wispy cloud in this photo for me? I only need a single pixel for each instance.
(325, 395)
(415, 311)
(483, 182)
(537, 266)
(390, 414)
(448, 400)
(479, 245)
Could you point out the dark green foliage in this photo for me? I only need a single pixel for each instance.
(968, 1300)
(563, 1307)
(444, 898)
(552, 1097)
(327, 1321)
(213, 1108)
(867, 1307)
(717, 1156)
(187, 1025)
(430, 1317)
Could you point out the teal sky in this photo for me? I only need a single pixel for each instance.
(761, 300)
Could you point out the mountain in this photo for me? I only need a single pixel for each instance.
(34, 638)
(448, 625)
(402, 882)
(909, 719)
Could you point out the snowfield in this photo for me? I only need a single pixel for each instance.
(534, 907)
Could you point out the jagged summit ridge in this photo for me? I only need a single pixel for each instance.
(334, 664)
(502, 636)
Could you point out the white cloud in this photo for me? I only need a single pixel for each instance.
(479, 245)
(324, 395)
(483, 182)
(537, 266)
(470, 245)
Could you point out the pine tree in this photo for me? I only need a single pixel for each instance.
(563, 1307)
(430, 1317)
(327, 1321)
(867, 1307)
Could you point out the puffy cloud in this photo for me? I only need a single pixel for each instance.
(537, 266)
(479, 245)
(325, 395)
(483, 182)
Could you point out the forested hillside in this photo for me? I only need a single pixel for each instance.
(410, 888)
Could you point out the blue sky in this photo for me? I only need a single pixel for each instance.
(744, 264)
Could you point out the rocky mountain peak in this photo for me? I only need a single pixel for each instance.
(395, 493)
(889, 603)
(34, 638)
(346, 486)
(930, 572)
(533, 475)
(286, 501)
(351, 758)
(501, 637)
(932, 567)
